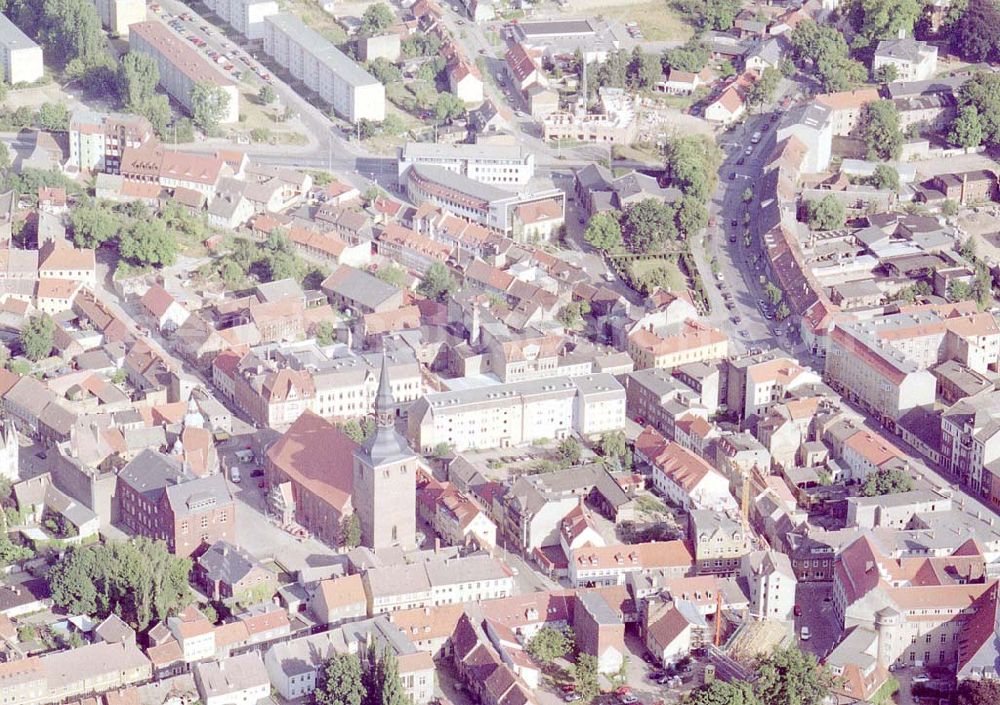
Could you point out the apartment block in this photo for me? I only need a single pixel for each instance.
(503, 415)
(883, 363)
(245, 16)
(181, 66)
(487, 163)
(118, 15)
(97, 140)
(22, 58)
(353, 92)
(675, 345)
(720, 541)
(438, 582)
(970, 444)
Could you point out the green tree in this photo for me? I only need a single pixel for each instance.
(376, 19)
(691, 164)
(823, 49)
(70, 30)
(570, 451)
(826, 214)
(266, 94)
(384, 70)
(692, 215)
(138, 580)
(762, 90)
(983, 92)
(36, 337)
(981, 692)
(585, 676)
(975, 36)
(613, 443)
(209, 106)
(885, 177)
(442, 450)
(966, 129)
(339, 681)
(438, 283)
(644, 70)
(571, 315)
(93, 225)
(53, 117)
(604, 232)
(324, 333)
(692, 57)
(886, 73)
(350, 531)
(5, 160)
(550, 643)
(388, 688)
(722, 693)
(648, 225)
(789, 676)
(773, 293)
(959, 290)
(882, 19)
(886, 481)
(448, 107)
(359, 431)
(880, 126)
(148, 242)
(138, 75)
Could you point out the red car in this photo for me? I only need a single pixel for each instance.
(797, 610)
(568, 688)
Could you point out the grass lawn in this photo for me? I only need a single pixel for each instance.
(312, 15)
(262, 118)
(657, 20)
(675, 280)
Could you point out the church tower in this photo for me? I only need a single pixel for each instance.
(385, 482)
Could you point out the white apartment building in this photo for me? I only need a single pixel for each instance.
(499, 164)
(772, 584)
(438, 582)
(503, 415)
(353, 92)
(245, 16)
(22, 58)
(117, 15)
(181, 66)
(96, 140)
(914, 60)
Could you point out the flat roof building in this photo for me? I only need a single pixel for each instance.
(245, 16)
(181, 67)
(353, 92)
(487, 163)
(21, 57)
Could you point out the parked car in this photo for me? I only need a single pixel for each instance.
(797, 610)
(804, 634)
(571, 697)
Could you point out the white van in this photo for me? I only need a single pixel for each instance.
(755, 138)
(234, 474)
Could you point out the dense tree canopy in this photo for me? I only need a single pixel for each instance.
(874, 20)
(36, 337)
(209, 105)
(826, 213)
(975, 35)
(886, 481)
(691, 57)
(692, 163)
(722, 693)
(438, 283)
(881, 128)
(148, 242)
(339, 681)
(823, 50)
(789, 676)
(138, 580)
(550, 643)
(981, 692)
(604, 231)
(885, 177)
(982, 92)
(967, 129)
(647, 226)
(376, 19)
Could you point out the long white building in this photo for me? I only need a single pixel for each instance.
(502, 415)
(245, 16)
(353, 92)
(118, 15)
(181, 67)
(500, 164)
(22, 58)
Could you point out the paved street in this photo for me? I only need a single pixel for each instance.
(817, 614)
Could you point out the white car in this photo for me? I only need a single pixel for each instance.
(234, 474)
(804, 634)
(748, 151)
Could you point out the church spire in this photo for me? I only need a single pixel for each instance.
(383, 398)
